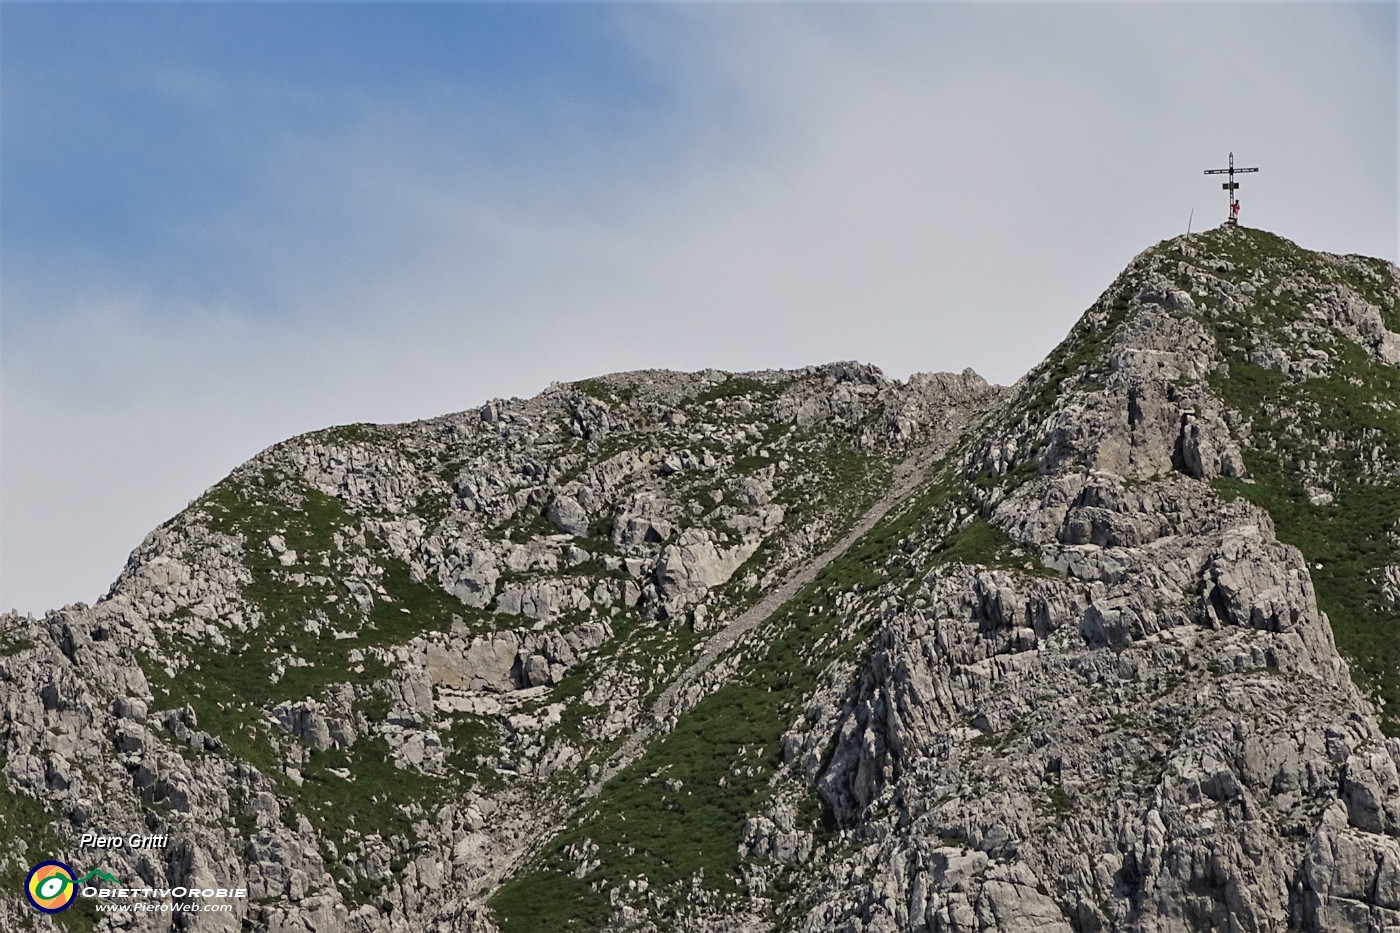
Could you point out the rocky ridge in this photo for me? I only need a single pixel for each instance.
(1082, 676)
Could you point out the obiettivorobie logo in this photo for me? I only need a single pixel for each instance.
(51, 886)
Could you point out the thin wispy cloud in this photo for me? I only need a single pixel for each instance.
(378, 234)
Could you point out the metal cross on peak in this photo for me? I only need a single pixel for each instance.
(1230, 187)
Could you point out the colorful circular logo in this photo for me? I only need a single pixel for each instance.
(50, 887)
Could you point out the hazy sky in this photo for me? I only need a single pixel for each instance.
(221, 225)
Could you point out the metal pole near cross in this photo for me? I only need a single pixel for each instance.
(1231, 187)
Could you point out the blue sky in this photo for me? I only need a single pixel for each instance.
(221, 225)
(161, 139)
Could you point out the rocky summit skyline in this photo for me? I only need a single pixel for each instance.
(1114, 648)
(227, 224)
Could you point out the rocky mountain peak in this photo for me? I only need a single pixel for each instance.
(1117, 647)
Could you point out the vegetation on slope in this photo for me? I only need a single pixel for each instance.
(312, 637)
(676, 815)
(1337, 431)
(294, 654)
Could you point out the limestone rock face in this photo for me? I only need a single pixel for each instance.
(809, 650)
(1160, 735)
(332, 679)
(694, 564)
(566, 514)
(1390, 586)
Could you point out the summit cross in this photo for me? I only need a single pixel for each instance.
(1231, 187)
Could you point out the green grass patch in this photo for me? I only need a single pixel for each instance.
(981, 543)
(1056, 803)
(347, 434)
(978, 542)
(433, 507)
(469, 737)
(374, 801)
(736, 386)
(597, 389)
(9, 647)
(1085, 346)
(998, 742)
